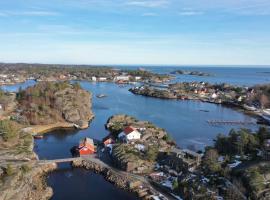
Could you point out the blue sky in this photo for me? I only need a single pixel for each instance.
(159, 32)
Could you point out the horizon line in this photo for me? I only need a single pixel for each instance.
(145, 65)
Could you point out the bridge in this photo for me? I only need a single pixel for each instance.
(63, 160)
(116, 171)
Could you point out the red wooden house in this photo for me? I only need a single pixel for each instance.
(86, 147)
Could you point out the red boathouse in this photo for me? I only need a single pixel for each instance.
(86, 147)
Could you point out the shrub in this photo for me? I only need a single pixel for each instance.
(8, 129)
(9, 170)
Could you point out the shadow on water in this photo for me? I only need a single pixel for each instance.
(84, 185)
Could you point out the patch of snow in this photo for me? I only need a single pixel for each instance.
(205, 180)
(234, 164)
(168, 184)
(140, 147)
(177, 197)
(221, 159)
(110, 146)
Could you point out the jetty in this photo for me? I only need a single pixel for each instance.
(230, 122)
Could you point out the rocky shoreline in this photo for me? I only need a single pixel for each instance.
(22, 177)
(236, 101)
(121, 180)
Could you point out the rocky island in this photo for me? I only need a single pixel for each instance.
(37, 109)
(193, 73)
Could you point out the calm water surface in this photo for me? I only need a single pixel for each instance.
(184, 120)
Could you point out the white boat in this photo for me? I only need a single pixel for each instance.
(266, 115)
(101, 95)
(250, 108)
(266, 112)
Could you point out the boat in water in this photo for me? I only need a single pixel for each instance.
(101, 95)
(38, 136)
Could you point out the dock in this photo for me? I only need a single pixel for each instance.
(230, 122)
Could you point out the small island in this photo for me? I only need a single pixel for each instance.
(192, 73)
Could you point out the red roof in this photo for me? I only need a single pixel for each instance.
(129, 129)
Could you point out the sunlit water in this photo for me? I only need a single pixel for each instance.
(183, 120)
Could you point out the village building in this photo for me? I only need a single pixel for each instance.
(137, 78)
(266, 149)
(62, 76)
(129, 133)
(184, 159)
(122, 78)
(86, 147)
(108, 140)
(102, 78)
(214, 96)
(94, 78)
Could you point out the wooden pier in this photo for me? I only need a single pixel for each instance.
(230, 122)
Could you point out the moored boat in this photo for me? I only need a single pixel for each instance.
(38, 136)
(101, 95)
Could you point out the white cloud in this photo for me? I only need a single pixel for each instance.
(149, 14)
(148, 3)
(27, 13)
(190, 13)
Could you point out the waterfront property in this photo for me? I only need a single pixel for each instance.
(86, 147)
(108, 140)
(129, 133)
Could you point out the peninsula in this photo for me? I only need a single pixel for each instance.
(254, 100)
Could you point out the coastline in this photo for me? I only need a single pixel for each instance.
(231, 105)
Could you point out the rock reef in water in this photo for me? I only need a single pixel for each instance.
(193, 73)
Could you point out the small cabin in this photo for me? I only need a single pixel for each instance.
(108, 140)
(86, 147)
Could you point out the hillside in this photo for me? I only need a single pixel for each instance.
(49, 102)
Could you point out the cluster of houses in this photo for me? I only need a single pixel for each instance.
(177, 159)
(121, 79)
(7, 79)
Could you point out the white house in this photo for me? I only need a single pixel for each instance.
(102, 79)
(122, 78)
(130, 133)
(137, 78)
(94, 78)
(214, 96)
